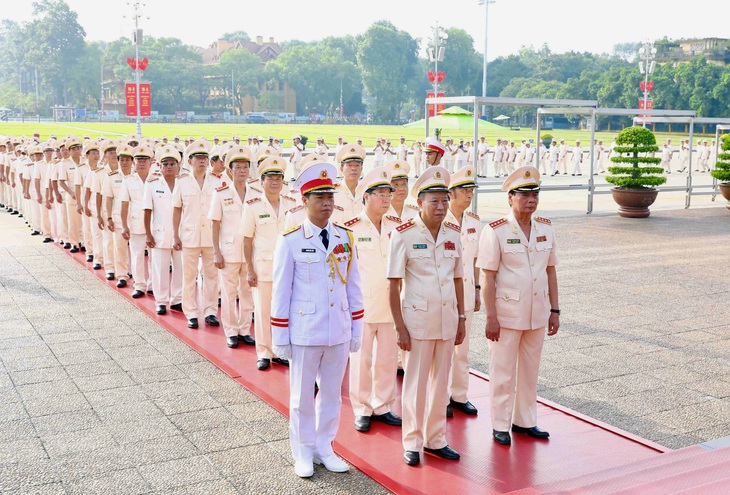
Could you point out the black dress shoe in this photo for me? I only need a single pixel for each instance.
(263, 363)
(150, 292)
(110, 276)
(67, 246)
(176, 307)
(412, 458)
(449, 412)
(388, 418)
(121, 283)
(89, 258)
(502, 437)
(83, 248)
(47, 240)
(280, 361)
(400, 372)
(533, 432)
(465, 407)
(212, 321)
(193, 323)
(232, 342)
(247, 339)
(14, 212)
(137, 294)
(362, 423)
(74, 250)
(161, 309)
(444, 453)
(97, 266)
(35, 232)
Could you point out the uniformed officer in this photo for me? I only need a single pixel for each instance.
(192, 233)
(41, 176)
(351, 159)
(316, 329)
(577, 158)
(461, 192)
(434, 151)
(88, 166)
(132, 217)
(226, 215)
(263, 221)
(158, 211)
(295, 155)
(399, 206)
(372, 369)
(518, 256)
(117, 247)
(60, 206)
(66, 172)
(424, 265)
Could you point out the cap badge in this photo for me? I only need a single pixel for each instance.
(397, 165)
(437, 175)
(468, 173)
(384, 174)
(527, 174)
(323, 174)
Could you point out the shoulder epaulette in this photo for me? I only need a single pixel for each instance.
(113, 173)
(393, 218)
(543, 220)
(249, 181)
(352, 222)
(405, 226)
(181, 175)
(413, 207)
(453, 226)
(292, 229)
(343, 227)
(255, 189)
(473, 215)
(498, 223)
(339, 208)
(288, 197)
(296, 208)
(222, 188)
(152, 179)
(252, 201)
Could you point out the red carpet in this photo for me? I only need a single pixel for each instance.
(579, 446)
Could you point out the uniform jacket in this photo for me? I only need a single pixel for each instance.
(471, 229)
(195, 228)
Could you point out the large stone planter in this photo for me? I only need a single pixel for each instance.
(725, 191)
(634, 203)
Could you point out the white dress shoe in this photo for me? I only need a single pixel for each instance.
(333, 463)
(304, 469)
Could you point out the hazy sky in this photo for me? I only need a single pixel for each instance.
(563, 24)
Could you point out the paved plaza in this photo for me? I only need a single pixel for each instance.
(98, 398)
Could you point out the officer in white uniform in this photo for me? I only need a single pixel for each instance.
(351, 159)
(316, 329)
(295, 155)
(111, 190)
(482, 154)
(577, 158)
(518, 256)
(373, 368)
(424, 267)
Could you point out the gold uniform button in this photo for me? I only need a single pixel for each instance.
(530, 249)
(532, 264)
(535, 293)
(300, 312)
(420, 256)
(333, 304)
(438, 266)
(414, 306)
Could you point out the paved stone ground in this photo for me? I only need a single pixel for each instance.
(97, 398)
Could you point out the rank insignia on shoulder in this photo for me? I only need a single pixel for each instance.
(473, 215)
(113, 173)
(393, 218)
(405, 226)
(252, 201)
(251, 181)
(339, 208)
(542, 238)
(222, 188)
(254, 189)
(449, 246)
(543, 220)
(498, 223)
(180, 176)
(352, 222)
(343, 227)
(152, 179)
(413, 207)
(453, 226)
(292, 229)
(296, 208)
(289, 198)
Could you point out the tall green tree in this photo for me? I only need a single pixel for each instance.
(462, 65)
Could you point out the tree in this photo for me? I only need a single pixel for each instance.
(236, 36)
(247, 72)
(387, 58)
(462, 65)
(502, 70)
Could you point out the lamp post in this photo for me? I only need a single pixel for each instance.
(486, 32)
(137, 39)
(647, 53)
(436, 55)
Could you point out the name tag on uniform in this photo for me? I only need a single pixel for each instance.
(513, 241)
(309, 250)
(160, 192)
(420, 246)
(542, 238)
(449, 246)
(364, 239)
(118, 181)
(265, 215)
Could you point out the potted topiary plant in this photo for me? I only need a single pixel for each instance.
(546, 139)
(635, 183)
(722, 169)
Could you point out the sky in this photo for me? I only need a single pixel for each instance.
(564, 25)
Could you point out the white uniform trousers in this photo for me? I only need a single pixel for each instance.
(234, 284)
(87, 233)
(513, 369)
(47, 223)
(35, 215)
(73, 223)
(313, 422)
(426, 377)
(553, 166)
(61, 222)
(262, 323)
(576, 168)
(373, 370)
(167, 286)
(119, 249)
(190, 259)
(459, 387)
(483, 165)
(137, 244)
(107, 245)
(97, 241)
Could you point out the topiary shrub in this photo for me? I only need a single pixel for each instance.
(633, 141)
(722, 172)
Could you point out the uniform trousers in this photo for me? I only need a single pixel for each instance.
(554, 166)
(483, 166)
(137, 243)
(236, 321)
(513, 369)
(417, 165)
(73, 223)
(47, 223)
(373, 370)
(576, 167)
(35, 213)
(426, 378)
(313, 421)
(167, 286)
(116, 249)
(190, 258)
(262, 321)
(460, 365)
(563, 164)
(88, 224)
(61, 221)
(107, 249)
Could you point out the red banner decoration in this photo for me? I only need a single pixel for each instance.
(648, 105)
(650, 86)
(431, 77)
(439, 108)
(641, 85)
(145, 99)
(440, 75)
(135, 64)
(143, 64)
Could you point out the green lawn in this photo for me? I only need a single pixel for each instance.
(350, 133)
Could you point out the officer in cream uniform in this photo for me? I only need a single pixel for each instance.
(461, 192)
(316, 319)
(424, 266)
(518, 256)
(372, 369)
(351, 159)
(399, 206)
